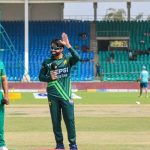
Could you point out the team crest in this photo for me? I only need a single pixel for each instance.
(65, 62)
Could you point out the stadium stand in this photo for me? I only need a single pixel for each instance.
(138, 31)
(40, 35)
(42, 32)
(122, 68)
(9, 56)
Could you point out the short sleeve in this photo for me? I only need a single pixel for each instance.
(2, 70)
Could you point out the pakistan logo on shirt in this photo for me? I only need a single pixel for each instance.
(65, 62)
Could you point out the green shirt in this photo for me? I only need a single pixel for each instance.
(62, 86)
(2, 72)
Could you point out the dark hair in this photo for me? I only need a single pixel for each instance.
(57, 43)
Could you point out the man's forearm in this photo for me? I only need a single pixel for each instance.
(74, 54)
(5, 86)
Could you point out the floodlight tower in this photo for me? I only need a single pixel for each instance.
(129, 9)
(95, 11)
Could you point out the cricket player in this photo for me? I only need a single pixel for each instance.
(144, 76)
(3, 100)
(56, 72)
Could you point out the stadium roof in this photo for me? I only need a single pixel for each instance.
(63, 1)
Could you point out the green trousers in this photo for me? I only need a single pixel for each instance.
(2, 111)
(58, 108)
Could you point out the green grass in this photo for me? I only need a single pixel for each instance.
(104, 124)
(110, 98)
(91, 98)
(104, 121)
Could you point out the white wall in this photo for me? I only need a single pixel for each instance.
(48, 11)
(12, 11)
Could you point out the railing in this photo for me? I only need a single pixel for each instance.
(101, 18)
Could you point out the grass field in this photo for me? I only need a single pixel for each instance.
(104, 121)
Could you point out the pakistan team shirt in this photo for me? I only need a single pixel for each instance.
(61, 87)
(2, 72)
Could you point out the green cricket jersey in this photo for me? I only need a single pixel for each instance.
(2, 72)
(61, 87)
(2, 110)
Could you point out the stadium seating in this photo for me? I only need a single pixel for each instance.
(40, 35)
(13, 59)
(139, 34)
(137, 31)
(122, 69)
(42, 32)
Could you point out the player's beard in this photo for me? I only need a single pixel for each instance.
(55, 54)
